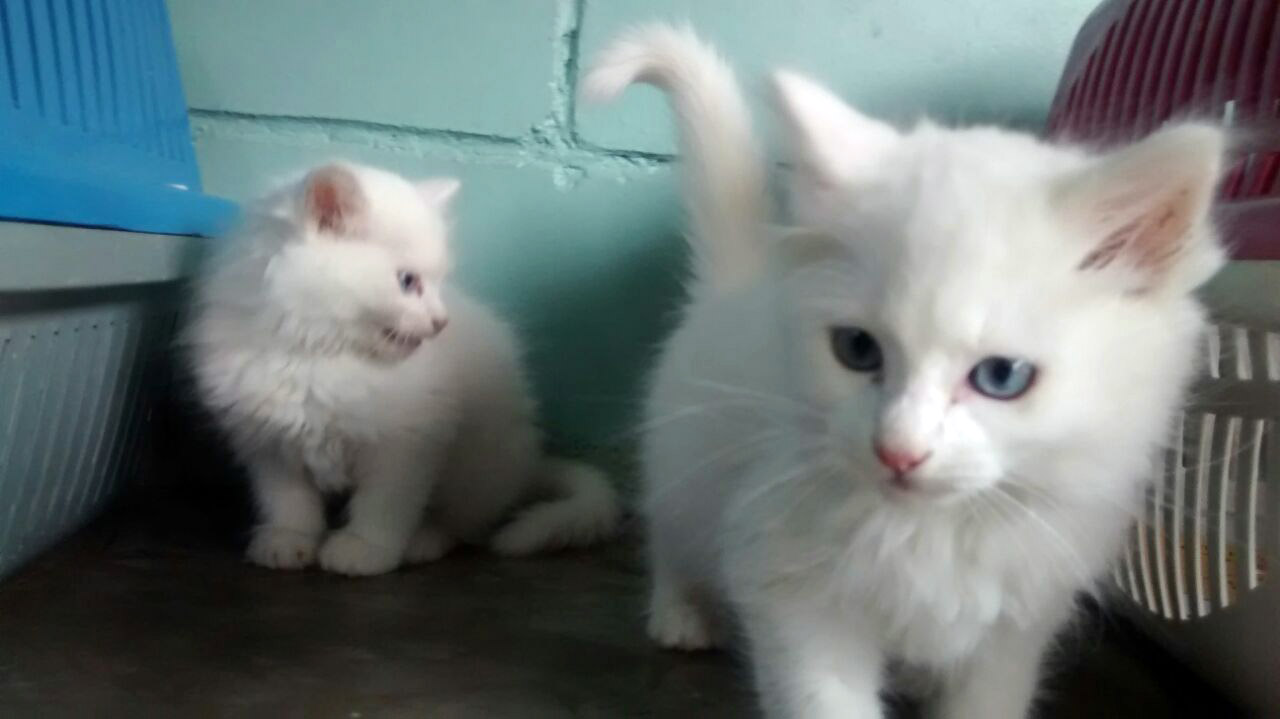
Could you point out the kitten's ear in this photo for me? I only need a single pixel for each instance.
(438, 191)
(831, 142)
(1145, 209)
(333, 202)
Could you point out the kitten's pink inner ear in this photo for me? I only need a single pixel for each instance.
(1146, 208)
(1151, 240)
(439, 191)
(333, 200)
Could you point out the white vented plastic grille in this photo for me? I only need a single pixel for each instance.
(1204, 536)
(72, 414)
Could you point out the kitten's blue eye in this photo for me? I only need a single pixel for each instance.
(856, 349)
(1002, 378)
(409, 282)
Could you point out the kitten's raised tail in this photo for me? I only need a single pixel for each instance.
(723, 170)
(582, 508)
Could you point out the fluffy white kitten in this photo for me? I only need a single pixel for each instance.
(910, 431)
(319, 343)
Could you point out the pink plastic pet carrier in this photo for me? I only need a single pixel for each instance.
(1197, 566)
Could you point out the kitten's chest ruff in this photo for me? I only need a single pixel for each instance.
(939, 587)
(309, 407)
(928, 590)
(927, 612)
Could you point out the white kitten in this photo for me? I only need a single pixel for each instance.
(319, 343)
(911, 431)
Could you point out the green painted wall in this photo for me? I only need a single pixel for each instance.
(569, 218)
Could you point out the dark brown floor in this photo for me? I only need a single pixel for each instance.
(139, 617)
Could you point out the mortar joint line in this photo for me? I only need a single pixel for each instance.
(554, 142)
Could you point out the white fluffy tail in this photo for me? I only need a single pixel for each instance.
(583, 509)
(724, 173)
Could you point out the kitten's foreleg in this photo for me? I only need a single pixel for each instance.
(999, 680)
(676, 619)
(290, 513)
(429, 543)
(392, 485)
(808, 666)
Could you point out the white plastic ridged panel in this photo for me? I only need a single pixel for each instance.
(1205, 536)
(71, 417)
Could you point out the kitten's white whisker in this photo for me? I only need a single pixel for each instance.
(1069, 552)
(807, 471)
(750, 392)
(759, 439)
(731, 404)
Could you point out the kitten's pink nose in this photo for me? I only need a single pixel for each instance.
(899, 460)
(438, 324)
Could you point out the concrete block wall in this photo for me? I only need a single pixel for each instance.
(569, 218)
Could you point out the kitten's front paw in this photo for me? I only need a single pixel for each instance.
(518, 539)
(280, 548)
(347, 553)
(679, 625)
(427, 545)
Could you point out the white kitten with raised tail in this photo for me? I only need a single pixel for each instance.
(908, 432)
(319, 342)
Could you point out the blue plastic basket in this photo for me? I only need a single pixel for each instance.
(93, 123)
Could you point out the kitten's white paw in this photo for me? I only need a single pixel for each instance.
(347, 553)
(280, 548)
(517, 540)
(427, 545)
(680, 625)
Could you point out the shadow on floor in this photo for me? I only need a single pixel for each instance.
(152, 613)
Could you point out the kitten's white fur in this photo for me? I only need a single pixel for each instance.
(328, 375)
(762, 492)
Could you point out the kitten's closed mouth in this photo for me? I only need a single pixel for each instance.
(403, 340)
(912, 491)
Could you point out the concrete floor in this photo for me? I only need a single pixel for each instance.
(152, 613)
